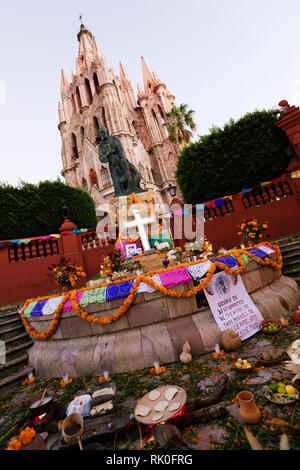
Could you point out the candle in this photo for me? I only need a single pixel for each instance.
(66, 378)
(156, 365)
(282, 320)
(217, 349)
(106, 374)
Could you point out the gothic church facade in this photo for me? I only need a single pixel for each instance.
(97, 97)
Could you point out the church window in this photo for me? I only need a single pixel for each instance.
(78, 98)
(84, 184)
(105, 178)
(135, 125)
(155, 122)
(96, 81)
(82, 134)
(88, 91)
(161, 112)
(104, 118)
(73, 104)
(96, 128)
(74, 146)
(93, 178)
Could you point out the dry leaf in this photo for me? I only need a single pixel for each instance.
(284, 442)
(255, 445)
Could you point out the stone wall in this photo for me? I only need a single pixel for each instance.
(153, 329)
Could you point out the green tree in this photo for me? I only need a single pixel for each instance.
(243, 154)
(180, 124)
(30, 210)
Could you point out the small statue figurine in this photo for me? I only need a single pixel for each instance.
(126, 178)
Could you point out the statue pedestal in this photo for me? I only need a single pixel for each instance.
(118, 207)
(137, 217)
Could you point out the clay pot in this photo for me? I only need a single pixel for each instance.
(249, 411)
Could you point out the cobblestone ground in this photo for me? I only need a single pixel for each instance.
(197, 378)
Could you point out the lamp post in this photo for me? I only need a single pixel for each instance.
(172, 190)
(65, 212)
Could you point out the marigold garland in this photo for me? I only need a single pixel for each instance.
(146, 278)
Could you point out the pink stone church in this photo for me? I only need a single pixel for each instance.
(97, 97)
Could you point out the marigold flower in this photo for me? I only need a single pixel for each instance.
(14, 445)
(27, 435)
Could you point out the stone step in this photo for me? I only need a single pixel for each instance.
(8, 308)
(10, 332)
(17, 349)
(291, 264)
(11, 382)
(13, 363)
(294, 273)
(10, 322)
(287, 250)
(291, 254)
(7, 316)
(10, 341)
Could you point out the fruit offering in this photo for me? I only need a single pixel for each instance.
(270, 326)
(272, 355)
(243, 364)
(281, 393)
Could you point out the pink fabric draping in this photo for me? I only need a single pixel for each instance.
(171, 278)
(68, 306)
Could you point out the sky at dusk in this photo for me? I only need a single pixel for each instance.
(222, 58)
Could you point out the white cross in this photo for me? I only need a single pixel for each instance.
(140, 223)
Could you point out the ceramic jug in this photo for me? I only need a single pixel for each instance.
(249, 411)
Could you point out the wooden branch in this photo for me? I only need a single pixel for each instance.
(202, 402)
(167, 434)
(203, 415)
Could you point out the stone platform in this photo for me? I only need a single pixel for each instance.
(153, 329)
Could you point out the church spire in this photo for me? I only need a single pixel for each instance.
(64, 84)
(147, 75)
(88, 50)
(123, 74)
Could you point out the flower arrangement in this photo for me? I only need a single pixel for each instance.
(111, 264)
(201, 246)
(157, 371)
(66, 274)
(28, 381)
(102, 379)
(25, 437)
(252, 230)
(64, 382)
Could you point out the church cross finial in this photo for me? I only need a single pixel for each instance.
(80, 18)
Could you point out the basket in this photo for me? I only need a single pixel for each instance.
(72, 418)
(270, 321)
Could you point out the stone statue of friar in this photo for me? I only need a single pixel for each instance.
(126, 178)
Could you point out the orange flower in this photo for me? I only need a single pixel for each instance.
(14, 445)
(27, 435)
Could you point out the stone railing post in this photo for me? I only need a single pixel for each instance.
(70, 243)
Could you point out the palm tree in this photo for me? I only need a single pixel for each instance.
(180, 124)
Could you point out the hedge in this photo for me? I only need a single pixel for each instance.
(30, 210)
(243, 154)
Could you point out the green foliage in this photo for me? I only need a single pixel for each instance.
(30, 210)
(180, 124)
(243, 154)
